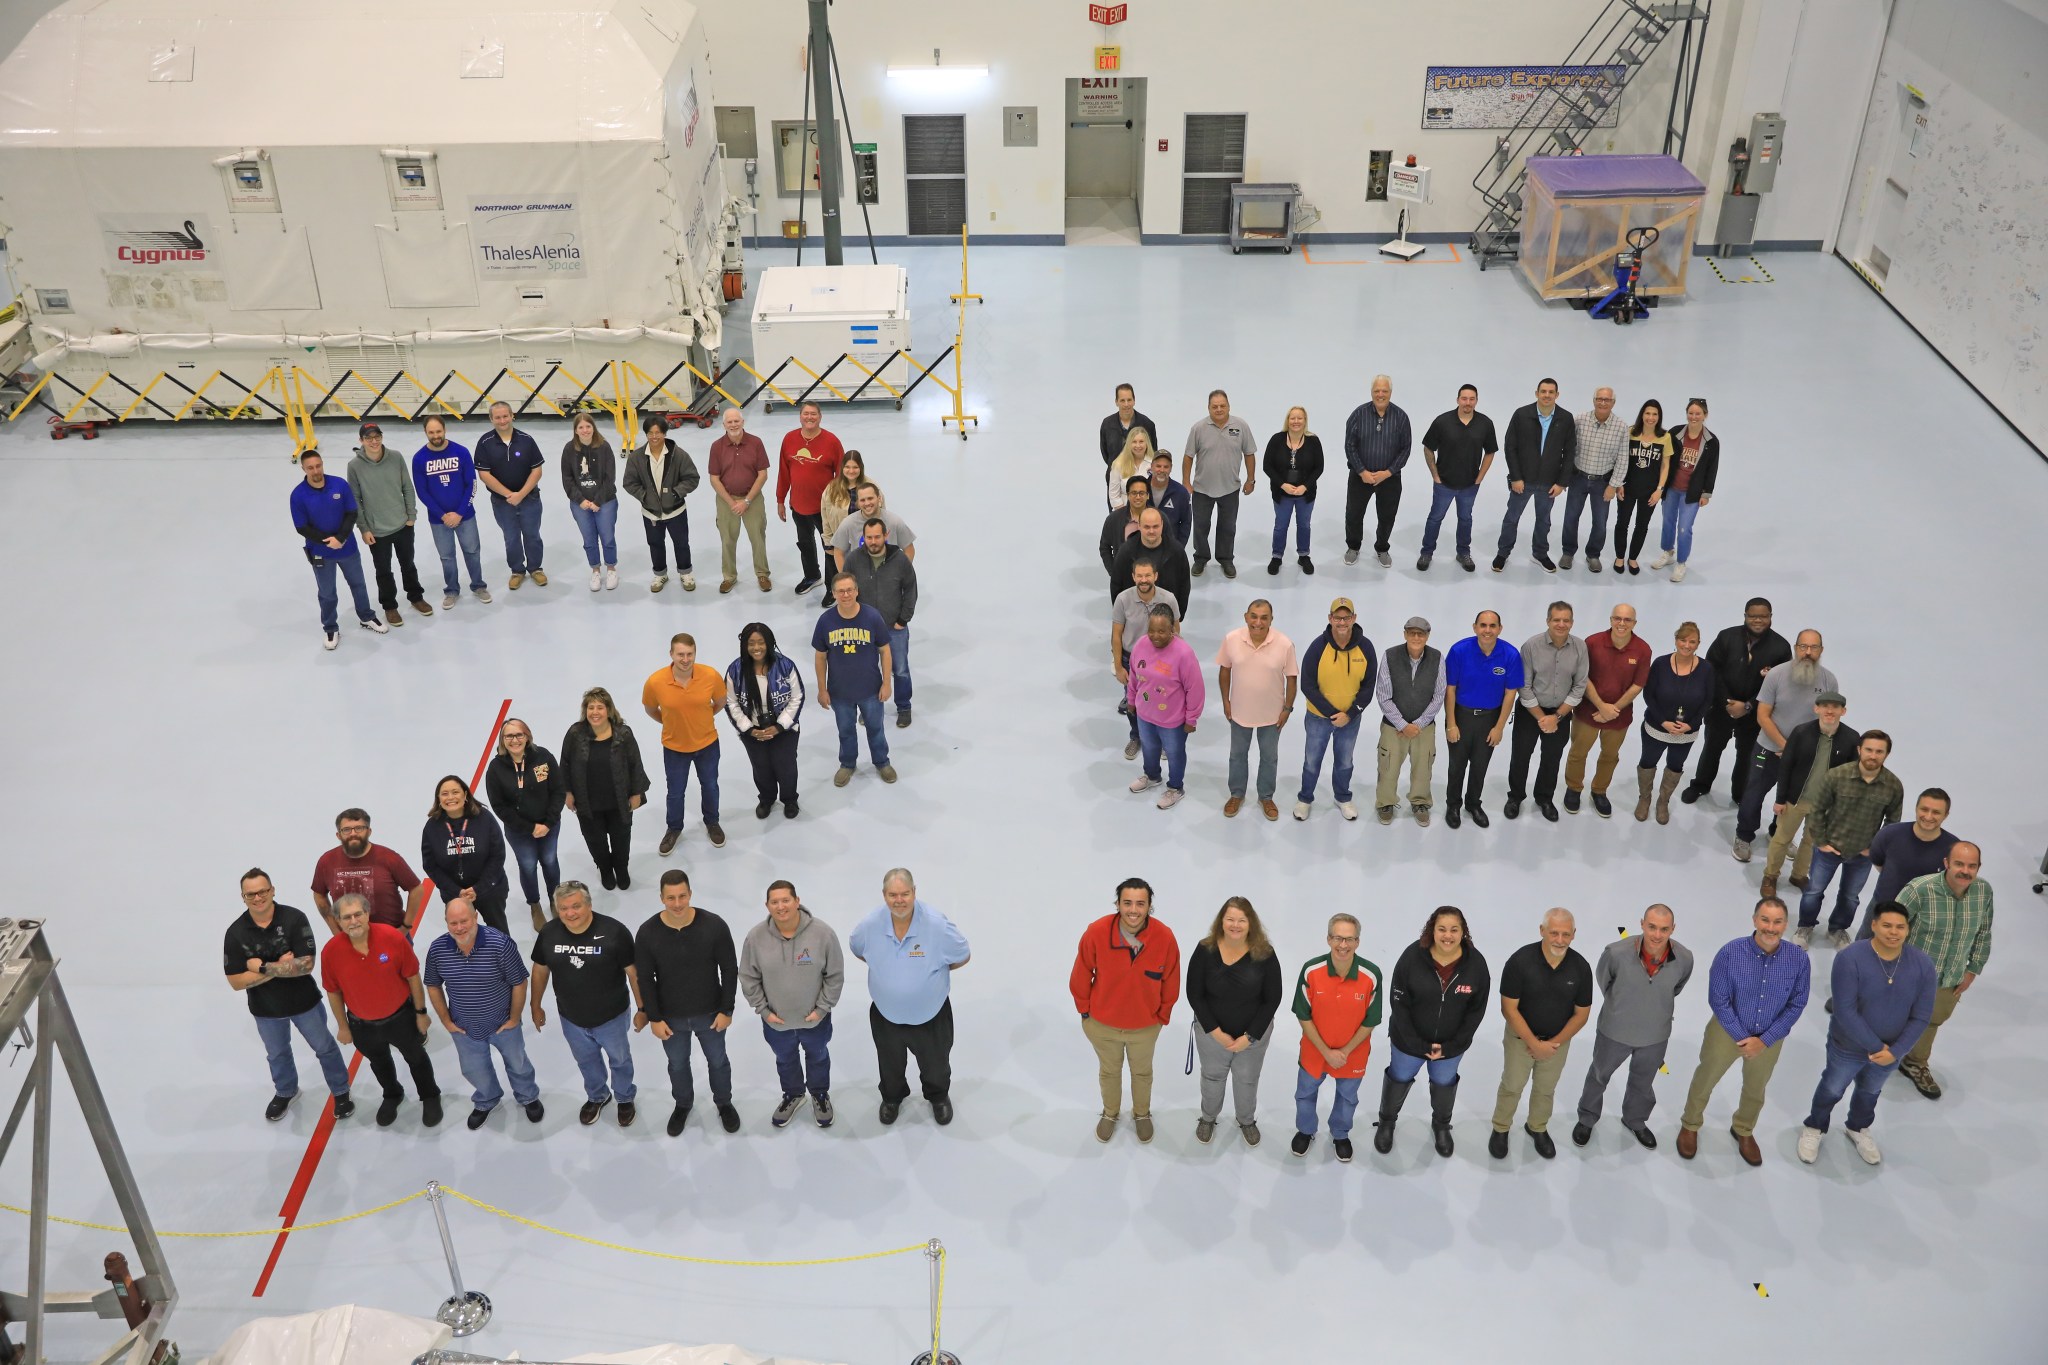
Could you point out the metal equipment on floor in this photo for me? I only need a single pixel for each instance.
(1263, 215)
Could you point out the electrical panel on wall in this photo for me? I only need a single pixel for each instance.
(251, 182)
(412, 177)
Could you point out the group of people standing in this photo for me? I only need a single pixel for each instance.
(381, 500)
(1591, 459)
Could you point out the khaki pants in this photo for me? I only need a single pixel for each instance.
(1418, 752)
(1518, 1064)
(756, 522)
(1717, 1054)
(1583, 736)
(1790, 821)
(1112, 1047)
(1945, 999)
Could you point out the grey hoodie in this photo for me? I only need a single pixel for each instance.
(383, 491)
(790, 977)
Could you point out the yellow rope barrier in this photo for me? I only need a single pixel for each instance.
(253, 1232)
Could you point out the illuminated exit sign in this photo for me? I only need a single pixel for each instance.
(1108, 14)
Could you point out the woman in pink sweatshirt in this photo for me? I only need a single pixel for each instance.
(1165, 694)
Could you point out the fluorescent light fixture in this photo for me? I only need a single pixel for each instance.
(937, 73)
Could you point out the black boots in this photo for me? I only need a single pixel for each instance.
(1393, 1094)
(1441, 1098)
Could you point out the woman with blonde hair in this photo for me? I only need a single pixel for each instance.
(1134, 459)
(837, 499)
(1675, 704)
(525, 788)
(607, 782)
(1233, 987)
(1293, 463)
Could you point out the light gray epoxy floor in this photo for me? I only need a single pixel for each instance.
(172, 720)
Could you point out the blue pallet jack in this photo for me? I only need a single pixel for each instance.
(1623, 304)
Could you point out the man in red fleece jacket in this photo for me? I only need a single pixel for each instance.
(1126, 977)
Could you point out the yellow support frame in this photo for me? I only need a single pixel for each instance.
(268, 375)
(817, 378)
(86, 397)
(872, 375)
(762, 379)
(40, 383)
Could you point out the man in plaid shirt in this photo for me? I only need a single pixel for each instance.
(1601, 439)
(1950, 912)
(1855, 801)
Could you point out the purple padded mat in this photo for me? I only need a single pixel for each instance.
(1614, 177)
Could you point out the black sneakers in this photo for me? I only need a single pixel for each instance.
(344, 1106)
(1300, 1145)
(677, 1119)
(729, 1117)
(387, 1112)
(275, 1110)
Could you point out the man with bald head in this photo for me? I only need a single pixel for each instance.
(738, 468)
(1785, 700)
(1377, 442)
(1599, 440)
(1482, 675)
(1546, 995)
(1640, 977)
(1154, 542)
(1950, 915)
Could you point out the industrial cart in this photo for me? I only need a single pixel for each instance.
(1263, 216)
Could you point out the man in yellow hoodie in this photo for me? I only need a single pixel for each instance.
(1336, 682)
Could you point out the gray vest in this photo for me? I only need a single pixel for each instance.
(1412, 687)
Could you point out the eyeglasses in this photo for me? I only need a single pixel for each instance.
(1623, 620)
(352, 829)
(1340, 938)
(253, 896)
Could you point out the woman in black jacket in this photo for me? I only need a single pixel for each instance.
(1696, 462)
(1234, 990)
(526, 791)
(590, 478)
(463, 851)
(1439, 996)
(1676, 700)
(1293, 463)
(606, 783)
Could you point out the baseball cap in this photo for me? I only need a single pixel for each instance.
(1416, 623)
(1831, 699)
(1342, 604)
(370, 429)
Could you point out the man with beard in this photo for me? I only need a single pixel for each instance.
(1740, 657)
(1789, 691)
(369, 870)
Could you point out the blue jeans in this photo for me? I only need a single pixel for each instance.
(1509, 524)
(867, 714)
(446, 538)
(474, 1056)
(593, 1047)
(812, 1071)
(277, 1046)
(716, 1068)
(1306, 1088)
(1585, 487)
(529, 851)
(1855, 869)
(1300, 509)
(1341, 741)
(1844, 1069)
(351, 567)
(899, 666)
(1440, 500)
(676, 767)
(1172, 740)
(1241, 737)
(1678, 519)
(521, 524)
(1404, 1067)
(599, 528)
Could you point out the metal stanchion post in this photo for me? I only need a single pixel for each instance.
(464, 1311)
(935, 1254)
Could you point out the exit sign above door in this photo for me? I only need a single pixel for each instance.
(1108, 14)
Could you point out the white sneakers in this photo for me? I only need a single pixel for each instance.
(1803, 935)
(1141, 782)
(689, 581)
(1662, 560)
(660, 582)
(1809, 1144)
(1865, 1144)
(374, 623)
(1348, 810)
(1301, 809)
(1678, 574)
(611, 576)
(596, 578)
(1170, 798)
(333, 639)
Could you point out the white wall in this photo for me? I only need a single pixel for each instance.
(1968, 249)
(1322, 81)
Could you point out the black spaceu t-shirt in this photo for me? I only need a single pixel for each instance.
(289, 932)
(588, 970)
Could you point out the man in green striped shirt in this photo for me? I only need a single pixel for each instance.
(1950, 914)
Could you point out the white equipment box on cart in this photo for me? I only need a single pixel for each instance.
(816, 314)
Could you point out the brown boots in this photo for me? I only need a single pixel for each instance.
(1643, 776)
(1665, 787)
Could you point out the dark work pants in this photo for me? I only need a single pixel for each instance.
(1528, 735)
(1763, 780)
(930, 1042)
(609, 833)
(677, 529)
(400, 543)
(1721, 728)
(1224, 511)
(774, 765)
(375, 1039)
(1470, 755)
(1357, 496)
(1627, 505)
(810, 532)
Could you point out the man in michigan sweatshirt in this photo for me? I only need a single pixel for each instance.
(791, 972)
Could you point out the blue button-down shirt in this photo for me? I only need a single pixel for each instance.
(908, 977)
(1755, 994)
(1482, 679)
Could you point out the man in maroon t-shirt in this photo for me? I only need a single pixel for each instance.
(1617, 666)
(372, 980)
(369, 870)
(811, 455)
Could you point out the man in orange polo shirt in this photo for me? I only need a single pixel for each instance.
(1337, 999)
(1126, 977)
(685, 697)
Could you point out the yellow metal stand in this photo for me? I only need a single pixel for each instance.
(963, 296)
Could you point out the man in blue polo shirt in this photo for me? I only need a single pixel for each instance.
(911, 951)
(1482, 674)
(477, 984)
(509, 463)
(324, 512)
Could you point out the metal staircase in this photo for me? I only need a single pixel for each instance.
(1625, 34)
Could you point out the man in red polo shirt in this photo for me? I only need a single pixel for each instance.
(369, 870)
(372, 982)
(1337, 999)
(1126, 977)
(1617, 666)
(810, 457)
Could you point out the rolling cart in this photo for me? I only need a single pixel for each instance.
(1263, 216)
